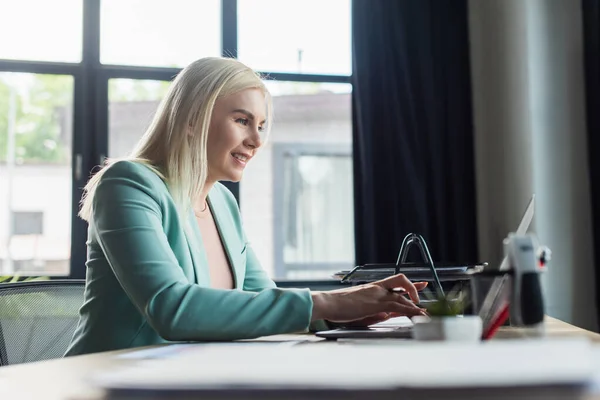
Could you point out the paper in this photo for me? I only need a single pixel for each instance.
(178, 350)
(594, 386)
(328, 365)
(161, 352)
(398, 322)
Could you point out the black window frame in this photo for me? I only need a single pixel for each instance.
(90, 105)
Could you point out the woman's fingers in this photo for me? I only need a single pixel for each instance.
(373, 319)
(399, 298)
(418, 285)
(400, 281)
(409, 311)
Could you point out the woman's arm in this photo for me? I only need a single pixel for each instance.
(128, 221)
(256, 278)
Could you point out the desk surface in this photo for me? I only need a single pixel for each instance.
(65, 379)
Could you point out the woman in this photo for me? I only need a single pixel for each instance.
(167, 256)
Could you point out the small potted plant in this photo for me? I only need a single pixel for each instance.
(445, 319)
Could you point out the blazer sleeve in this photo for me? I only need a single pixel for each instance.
(256, 278)
(127, 218)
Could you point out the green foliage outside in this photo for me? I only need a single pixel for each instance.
(43, 112)
(41, 104)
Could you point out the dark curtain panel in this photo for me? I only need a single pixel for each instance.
(591, 40)
(413, 134)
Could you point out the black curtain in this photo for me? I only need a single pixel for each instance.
(591, 40)
(413, 134)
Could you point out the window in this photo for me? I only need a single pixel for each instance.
(314, 220)
(304, 168)
(165, 33)
(67, 103)
(132, 104)
(309, 36)
(41, 30)
(28, 223)
(35, 173)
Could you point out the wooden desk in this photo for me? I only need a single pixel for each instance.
(555, 328)
(65, 379)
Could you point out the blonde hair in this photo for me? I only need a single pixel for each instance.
(167, 147)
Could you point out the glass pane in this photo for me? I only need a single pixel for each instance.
(296, 195)
(41, 30)
(35, 173)
(132, 104)
(317, 222)
(163, 33)
(310, 36)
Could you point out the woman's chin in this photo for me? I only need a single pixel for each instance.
(234, 177)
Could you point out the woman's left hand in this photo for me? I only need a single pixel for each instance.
(380, 317)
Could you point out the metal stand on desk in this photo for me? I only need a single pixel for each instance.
(409, 240)
(407, 243)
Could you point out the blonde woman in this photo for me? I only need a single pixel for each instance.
(167, 256)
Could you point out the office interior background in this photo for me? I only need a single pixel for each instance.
(441, 118)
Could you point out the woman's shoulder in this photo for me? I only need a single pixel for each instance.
(133, 170)
(223, 194)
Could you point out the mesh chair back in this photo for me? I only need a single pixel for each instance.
(37, 319)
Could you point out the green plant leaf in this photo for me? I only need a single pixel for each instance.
(452, 304)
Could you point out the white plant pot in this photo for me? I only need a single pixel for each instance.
(466, 328)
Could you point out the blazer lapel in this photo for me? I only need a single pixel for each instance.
(197, 251)
(227, 232)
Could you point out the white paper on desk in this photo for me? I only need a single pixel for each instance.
(397, 322)
(594, 387)
(327, 365)
(177, 349)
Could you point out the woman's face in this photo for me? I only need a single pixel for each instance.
(234, 134)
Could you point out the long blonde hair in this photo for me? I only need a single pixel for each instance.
(167, 147)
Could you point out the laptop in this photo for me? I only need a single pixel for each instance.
(401, 327)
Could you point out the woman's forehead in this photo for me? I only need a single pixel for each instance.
(253, 100)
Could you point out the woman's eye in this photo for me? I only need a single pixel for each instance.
(261, 128)
(243, 121)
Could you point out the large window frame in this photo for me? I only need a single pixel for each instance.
(90, 104)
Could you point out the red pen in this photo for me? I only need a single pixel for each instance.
(502, 317)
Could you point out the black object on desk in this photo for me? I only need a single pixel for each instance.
(443, 276)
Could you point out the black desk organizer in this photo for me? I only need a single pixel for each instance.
(442, 278)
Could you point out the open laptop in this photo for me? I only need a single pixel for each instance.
(401, 327)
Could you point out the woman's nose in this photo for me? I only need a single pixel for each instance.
(254, 141)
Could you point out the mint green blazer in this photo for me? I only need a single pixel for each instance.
(147, 278)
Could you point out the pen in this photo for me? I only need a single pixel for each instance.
(502, 317)
(402, 291)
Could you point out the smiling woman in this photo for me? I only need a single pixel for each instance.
(237, 126)
(166, 245)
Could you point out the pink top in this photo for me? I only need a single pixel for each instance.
(218, 264)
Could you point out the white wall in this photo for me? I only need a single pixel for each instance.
(44, 189)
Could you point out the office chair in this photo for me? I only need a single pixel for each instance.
(37, 319)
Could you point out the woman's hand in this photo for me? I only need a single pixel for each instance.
(369, 300)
